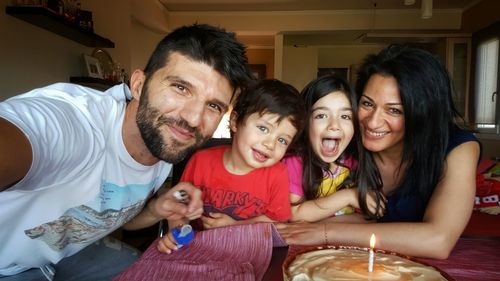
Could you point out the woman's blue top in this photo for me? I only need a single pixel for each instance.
(407, 208)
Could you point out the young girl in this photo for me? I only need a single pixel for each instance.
(319, 171)
(246, 182)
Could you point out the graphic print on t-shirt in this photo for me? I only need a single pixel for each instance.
(112, 207)
(238, 205)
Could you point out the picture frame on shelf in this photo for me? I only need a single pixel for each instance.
(92, 67)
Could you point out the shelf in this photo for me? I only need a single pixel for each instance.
(95, 83)
(53, 22)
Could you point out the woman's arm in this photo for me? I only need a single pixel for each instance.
(445, 218)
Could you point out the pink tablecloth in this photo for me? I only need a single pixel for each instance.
(472, 259)
(231, 253)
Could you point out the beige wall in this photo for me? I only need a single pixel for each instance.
(344, 55)
(262, 56)
(348, 56)
(32, 57)
(112, 20)
(299, 65)
(144, 41)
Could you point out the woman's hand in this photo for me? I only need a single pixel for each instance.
(303, 233)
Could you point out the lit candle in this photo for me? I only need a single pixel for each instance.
(370, 258)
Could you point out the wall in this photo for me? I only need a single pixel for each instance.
(143, 44)
(299, 65)
(112, 20)
(344, 55)
(262, 56)
(33, 57)
(349, 56)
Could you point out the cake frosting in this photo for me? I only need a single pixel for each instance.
(352, 264)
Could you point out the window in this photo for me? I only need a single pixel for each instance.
(484, 103)
(485, 87)
(223, 130)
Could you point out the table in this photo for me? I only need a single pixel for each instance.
(472, 259)
(231, 253)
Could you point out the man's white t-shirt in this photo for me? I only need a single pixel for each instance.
(82, 185)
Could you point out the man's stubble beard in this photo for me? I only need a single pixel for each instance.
(151, 134)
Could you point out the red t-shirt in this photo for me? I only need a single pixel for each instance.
(262, 191)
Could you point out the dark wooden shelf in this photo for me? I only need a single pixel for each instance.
(95, 83)
(53, 22)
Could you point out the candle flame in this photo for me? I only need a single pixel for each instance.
(372, 241)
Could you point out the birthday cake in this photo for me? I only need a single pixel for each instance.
(350, 263)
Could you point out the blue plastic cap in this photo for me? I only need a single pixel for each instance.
(183, 235)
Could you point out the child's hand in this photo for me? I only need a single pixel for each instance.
(371, 202)
(217, 220)
(352, 194)
(167, 244)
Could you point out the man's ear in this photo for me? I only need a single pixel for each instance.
(136, 83)
(232, 121)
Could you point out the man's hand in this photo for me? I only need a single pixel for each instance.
(167, 206)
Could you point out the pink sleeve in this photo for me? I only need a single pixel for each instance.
(294, 166)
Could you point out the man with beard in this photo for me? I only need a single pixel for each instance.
(76, 163)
